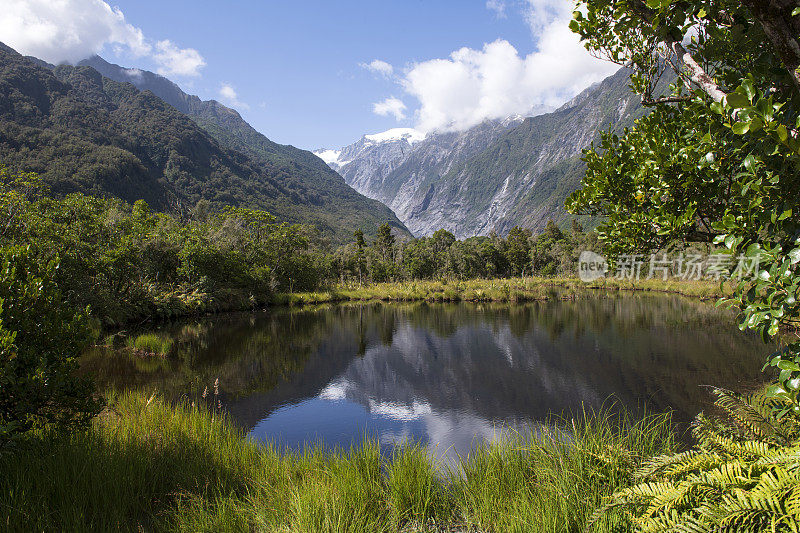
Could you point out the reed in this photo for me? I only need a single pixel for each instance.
(148, 465)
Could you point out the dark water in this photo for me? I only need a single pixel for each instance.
(444, 374)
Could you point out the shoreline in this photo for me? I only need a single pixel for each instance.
(511, 290)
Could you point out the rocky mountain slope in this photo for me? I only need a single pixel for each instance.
(495, 175)
(83, 132)
(397, 166)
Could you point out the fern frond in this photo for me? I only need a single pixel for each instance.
(743, 475)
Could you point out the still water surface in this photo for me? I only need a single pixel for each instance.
(444, 374)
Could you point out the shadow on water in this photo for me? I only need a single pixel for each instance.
(444, 374)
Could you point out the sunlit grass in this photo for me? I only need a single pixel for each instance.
(499, 290)
(151, 343)
(146, 465)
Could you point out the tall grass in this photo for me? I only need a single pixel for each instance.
(151, 343)
(498, 290)
(146, 465)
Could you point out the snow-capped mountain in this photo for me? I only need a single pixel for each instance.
(398, 137)
(493, 176)
(392, 166)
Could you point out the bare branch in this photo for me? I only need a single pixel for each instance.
(649, 102)
(696, 73)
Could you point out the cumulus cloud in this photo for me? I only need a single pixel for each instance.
(498, 6)
(390, 106)
(379, 67)
(177, 61)
(495, 81)
(67, 30)
(59, 31)
(229, 96)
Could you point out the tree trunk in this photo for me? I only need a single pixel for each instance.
(782, 29)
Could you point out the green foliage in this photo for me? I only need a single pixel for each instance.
(743, 475)
(126, 261)
(518, 250)
(40, 340)
(441, 256)
(718, 160)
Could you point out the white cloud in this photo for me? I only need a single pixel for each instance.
(498, 6)
(181, 61)
(390, 106)
(66, 30)
(61, 31)
(133, 73)
(229, 96)
(379, 67)
(542, 13)
(472, 85)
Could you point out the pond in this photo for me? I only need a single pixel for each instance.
(442, 374)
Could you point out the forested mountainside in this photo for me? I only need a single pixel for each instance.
(83, 132)
(495, 175)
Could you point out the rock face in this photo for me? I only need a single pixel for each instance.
(493, 176)
(399, 167)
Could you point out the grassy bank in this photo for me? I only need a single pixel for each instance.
(146, 465)
(498, 290)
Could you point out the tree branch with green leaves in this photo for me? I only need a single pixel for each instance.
(718, 158)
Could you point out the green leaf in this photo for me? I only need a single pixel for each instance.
(783, 134)
(789, 365)
(794, 256)
(750, 163)
(747, 85)
(740, 128)
(737, 100)
(796, 11)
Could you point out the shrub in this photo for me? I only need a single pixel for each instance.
(40, 338)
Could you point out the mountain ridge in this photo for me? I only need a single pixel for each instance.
(83, 132)
(497, 174)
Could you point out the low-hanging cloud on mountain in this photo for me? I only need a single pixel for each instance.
(470, 85)
(71, 30)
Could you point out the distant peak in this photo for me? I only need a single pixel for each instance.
(329, 156)
(409, 135)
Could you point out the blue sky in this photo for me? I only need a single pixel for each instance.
(299, 71)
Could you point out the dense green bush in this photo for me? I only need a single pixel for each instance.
(40, 339)
(125, 261)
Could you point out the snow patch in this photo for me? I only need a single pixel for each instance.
(409, 135)
(329, 156)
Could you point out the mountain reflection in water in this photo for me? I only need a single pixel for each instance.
(445, 374)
